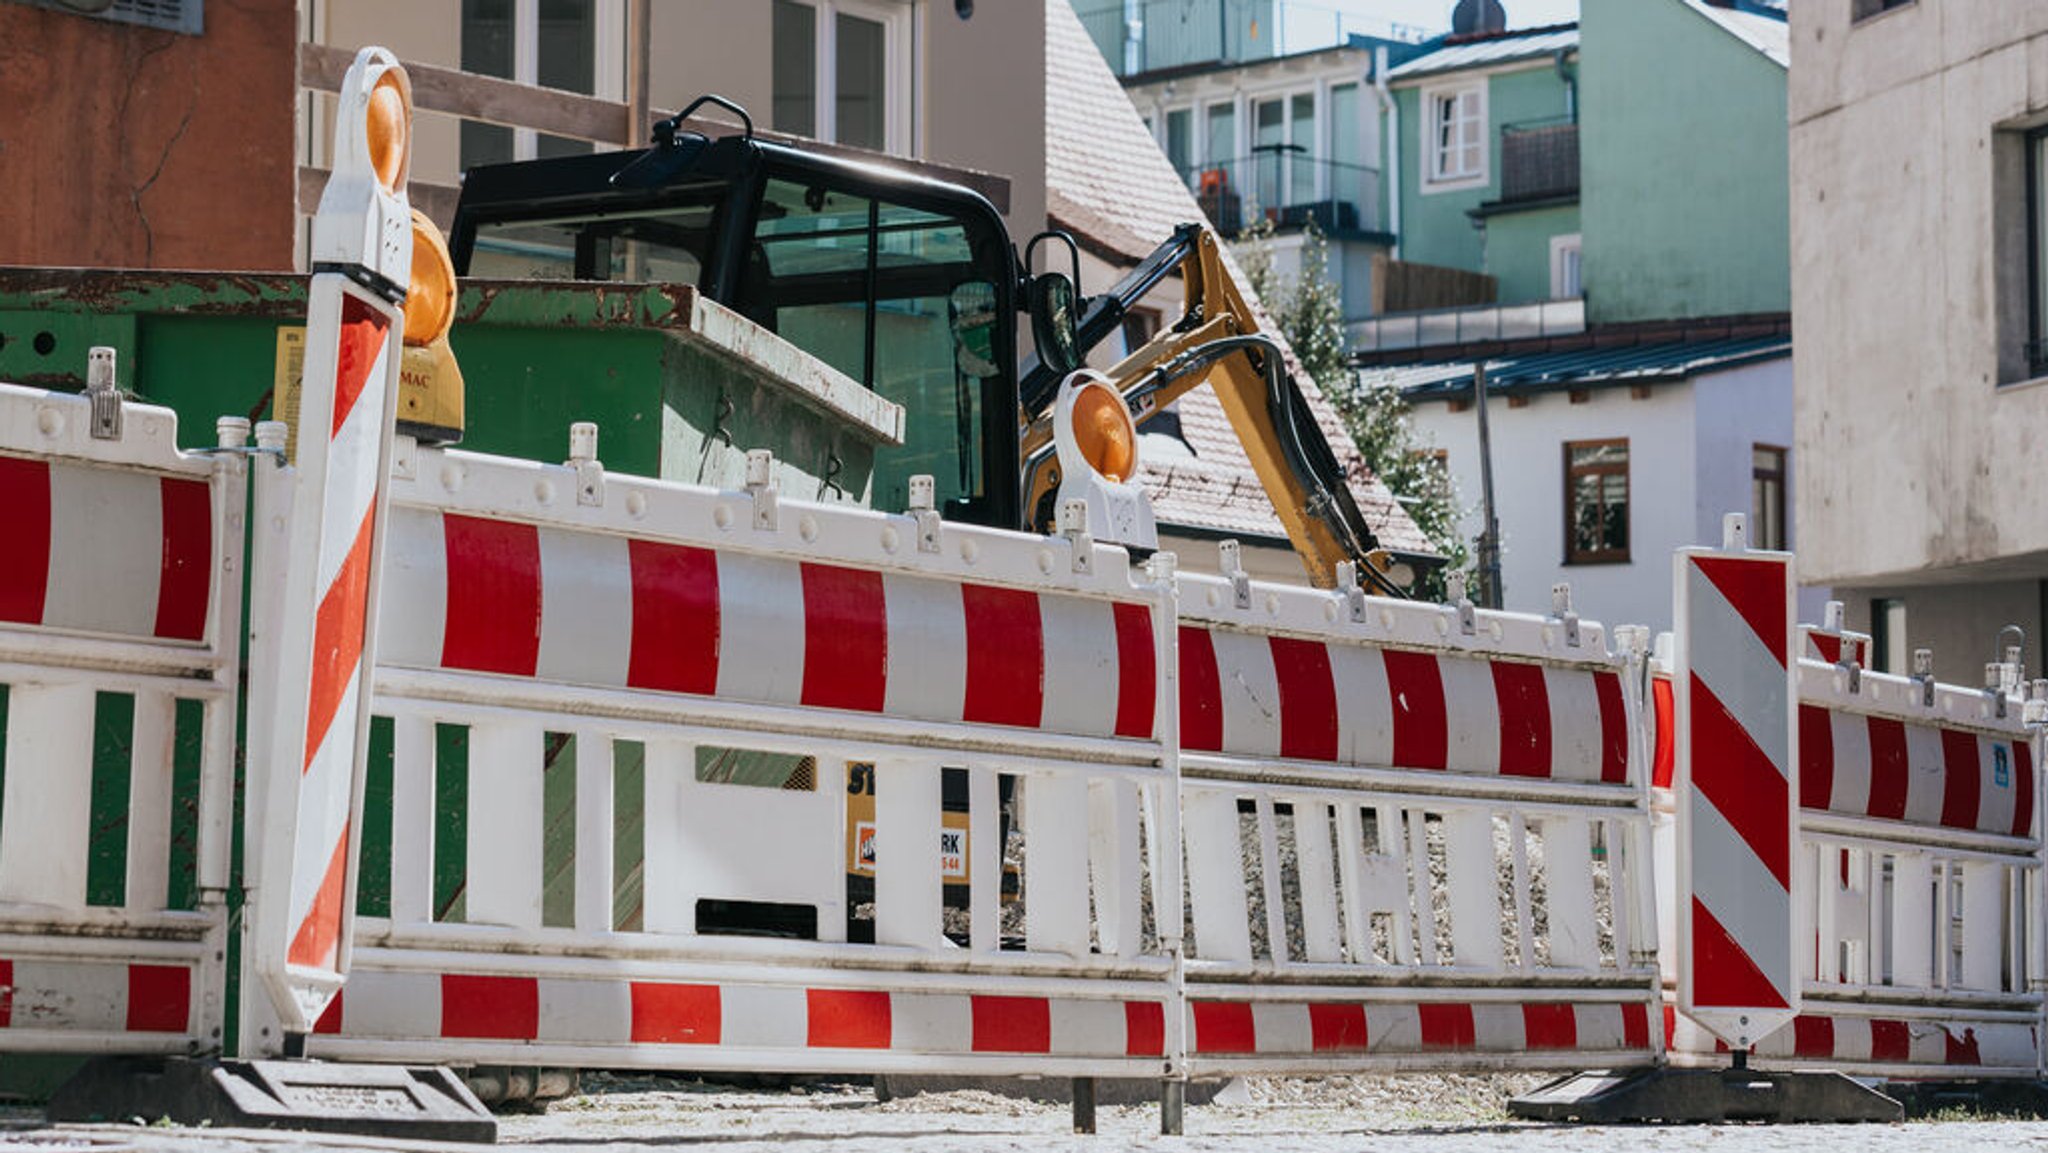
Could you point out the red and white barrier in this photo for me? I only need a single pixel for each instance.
(1737, 804)
(1378, 794)
(120, 616)
(313, 633)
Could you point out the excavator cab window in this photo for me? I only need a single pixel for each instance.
(905, 284)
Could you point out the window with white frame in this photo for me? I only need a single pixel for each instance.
(1284, 150)
(1456, 123)
(572, 45)
(841, 71)
(1564, 268)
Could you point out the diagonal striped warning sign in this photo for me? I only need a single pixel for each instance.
(1738, 789)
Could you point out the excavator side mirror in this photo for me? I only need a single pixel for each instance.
(1053, 322)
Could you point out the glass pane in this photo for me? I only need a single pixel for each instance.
(567, 48)
(1180, 140)
(1301, 187)
(795, 68)
(1268, 135)
(1585, 522)
(1605, 453)
(1222, 140)
(486, 51)
(1614, 498)
(861, 103)
(1347, 152)
(2038, 355)
(665, 245)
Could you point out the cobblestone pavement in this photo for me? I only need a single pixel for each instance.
(1424, 1115)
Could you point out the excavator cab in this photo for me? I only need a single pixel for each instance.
(909, 286)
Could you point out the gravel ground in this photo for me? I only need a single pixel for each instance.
(1423, 1114)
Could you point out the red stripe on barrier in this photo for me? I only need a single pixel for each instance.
(1422, 732)
(670, 1014)
(846, 638)
(675, 618)
(494, 596)
(1337, 1028)
(1828, 645)
(1224, 1027)
(340, 626)
(1813, 1037)
(1613, 728)
(1012, 1024)
(1201, 692)
(159, 999)
(1890, 1041)
(1670, 1027)
(1549, 1026)
(1960, 1050)
(1447, 1026)
(847, 1018)
(1816, 757)
(1144, 1029)
(1664, 758)
(6, 994)
(1888, 768)
(316, 940)
(1961, 779)
(1635, 1026)
(25, 526)
(1137, 671)
(186, 573)
(1308, 698)
(1755, 589)
(329, 1023)
(1005, 657)
(1523, 703)
(1723, 974)
(490, 1008)
(1741, 782)
(2023, 789)
(363, 329)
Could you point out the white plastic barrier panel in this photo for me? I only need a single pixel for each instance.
(120, 627)
(1416, 835)
(1736, 784)
(750, 783)
(1919, 861)
(320, 544)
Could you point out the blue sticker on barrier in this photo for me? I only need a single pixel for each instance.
(2001, 766)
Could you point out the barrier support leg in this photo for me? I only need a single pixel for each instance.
(1084, 1105)
(1700, 1096)
(1173, 1102)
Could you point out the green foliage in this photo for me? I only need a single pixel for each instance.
(1309, 312)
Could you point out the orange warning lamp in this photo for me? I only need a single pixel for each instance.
(1105, 433)
(387, 126)
(430, 295)
(1097, 444)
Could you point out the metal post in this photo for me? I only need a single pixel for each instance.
(1489, 537)
(1173, 1101)
(1084, 1105)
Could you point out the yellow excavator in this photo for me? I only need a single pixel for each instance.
(914, 288)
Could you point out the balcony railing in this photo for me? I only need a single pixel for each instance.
(1539, 160)
(1464, 325)
(1289, 188)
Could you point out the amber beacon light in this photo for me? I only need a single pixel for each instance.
(1097, 443)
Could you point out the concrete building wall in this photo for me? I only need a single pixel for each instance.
(1683, 165)
(1434, 227)
(1528, 483)
(1518, 249)
(1914, 418)
(124, 146)
(981, 98)
(1960, 623)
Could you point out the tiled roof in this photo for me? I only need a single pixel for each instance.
(1769, 35)
(1580, 368)
(1482, 52)
(1107, 181)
